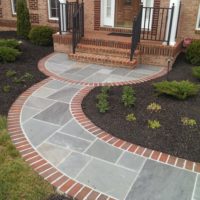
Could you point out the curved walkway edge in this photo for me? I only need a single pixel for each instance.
(81, 160)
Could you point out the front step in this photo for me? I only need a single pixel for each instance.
(102, 50)
(104, 60)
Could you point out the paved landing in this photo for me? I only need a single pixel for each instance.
(60, 65)
(47, 122)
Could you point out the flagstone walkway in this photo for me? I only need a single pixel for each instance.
(94, 169)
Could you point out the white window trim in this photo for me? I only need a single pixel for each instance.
(12, 7)
(49, 12)
(198, 19)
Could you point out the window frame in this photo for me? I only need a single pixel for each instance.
(49, 11)
(14, 11)
(198, 19)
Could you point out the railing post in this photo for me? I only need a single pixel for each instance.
(59, 17)
(74, 35)
(170, 24)
(83, 21)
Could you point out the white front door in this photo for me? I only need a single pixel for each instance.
(107, 12)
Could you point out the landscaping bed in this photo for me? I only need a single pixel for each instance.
(172, 136)
(25, 63)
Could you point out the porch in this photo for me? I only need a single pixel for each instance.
(152, 38)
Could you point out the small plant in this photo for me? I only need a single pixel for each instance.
(128, 96)
(8, 54)
(41, 35)
(3, 123)
(10, 73)
(12, 43)
(24, 78)
(154, 107)
(105, 89)
(23, 19)
(193, 53)
(6, 88)
(103, 104)
(180, 90)
(196, 72)
(130, 117)
(188, 122)
(154, 124)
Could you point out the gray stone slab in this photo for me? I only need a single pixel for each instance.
(106, 71)
(43, 92)
(69, 142)
(97, 78)
(197, 189)
(143, 71)
(39, 103)
(73, 164)
(87, 72)
(132, 161)
(52, 153)
(55, 84)
(135, 74)
(150, 67)
(107, 178)
(162, 182)
(121, 71)
(28, 112)
(72, 70)
(57, 68)
(58, 113)
(59, 57)
(64, 95)
(113, 78)
(38, 131)
(74, 129)
(104, 151)
(75, 77)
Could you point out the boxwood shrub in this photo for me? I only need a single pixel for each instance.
(193, 53)
(8, 54)
(12, 43)
(180, 90)
(41, 35)
(196, 72)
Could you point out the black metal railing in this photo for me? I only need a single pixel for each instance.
(136, 32)
(157, 23)
(78, 26)
(65, 13)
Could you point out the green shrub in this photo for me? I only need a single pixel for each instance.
(10, 73)
(6, 88)
(196, 72)
(130, 117)
(180, 90)
(188, 122)
(103, 104)
(154, 107)
(193, 53)
(154, 124)
(23, 20)
(41, 35)
(128, 96)
(27, 76)
(105, 89)
(12, 43)
(8, 54)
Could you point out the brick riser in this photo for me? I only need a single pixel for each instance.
(106, 43)
(101, 50)
(104, 60)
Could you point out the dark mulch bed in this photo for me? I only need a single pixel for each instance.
(27, 62)
(58, 197)
(172, 137)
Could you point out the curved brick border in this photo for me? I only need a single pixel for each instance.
(62, 183)
(42, 68)
(79, 115)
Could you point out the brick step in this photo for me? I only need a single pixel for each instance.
(104, 60)
(102, 50)
(106, 43)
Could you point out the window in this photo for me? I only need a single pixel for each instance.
(198, 19)
(14, 6)
(53, 9)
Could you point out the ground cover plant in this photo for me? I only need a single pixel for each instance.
(193, 53)
(178, 130)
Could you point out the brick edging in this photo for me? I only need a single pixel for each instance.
(79, 115)
(63, 184)
(42, 68)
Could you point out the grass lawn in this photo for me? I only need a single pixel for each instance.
(17, 179)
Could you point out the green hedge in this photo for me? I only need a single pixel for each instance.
(12, 43)
(193, 53)
(41, 35)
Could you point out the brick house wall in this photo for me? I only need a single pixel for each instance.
(39, 15)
